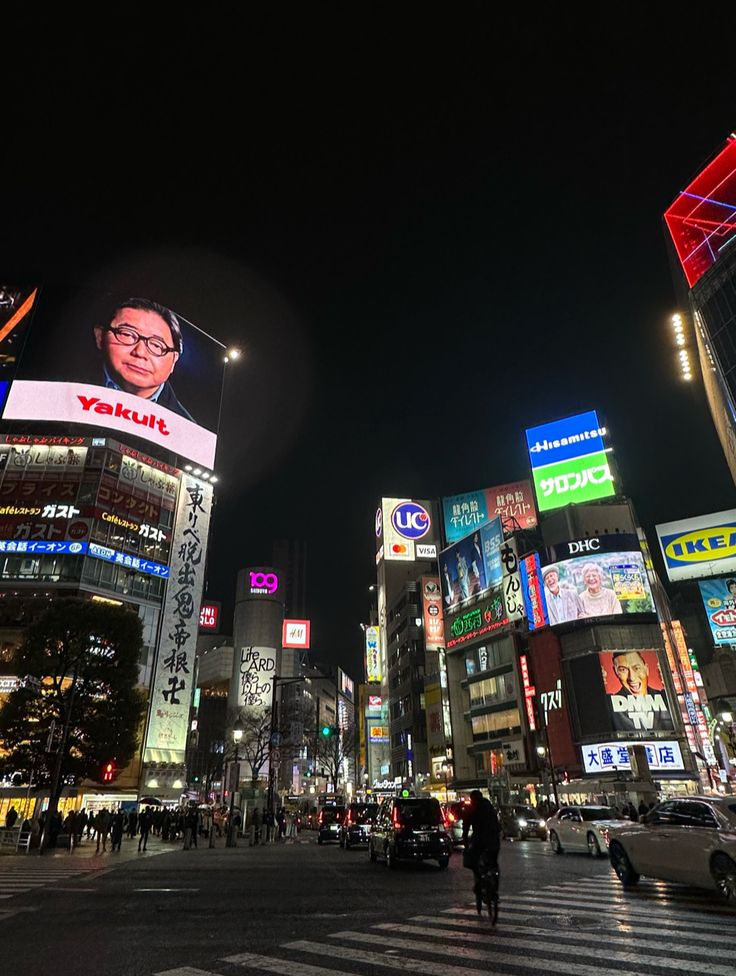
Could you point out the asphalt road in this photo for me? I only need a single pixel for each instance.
(197, 908)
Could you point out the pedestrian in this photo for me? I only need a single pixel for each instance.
(103, 822)
(191, 824)
(144, 825)
(10, 818)
(117, 827)
(70, 828)
(643, 808)
(281, 823)
(269, 821)
(82, 821)
(255, 827)
(291, 826)
(132, 823)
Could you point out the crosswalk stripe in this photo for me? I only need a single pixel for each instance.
(680, 894)
(271, 964)
(566, 901)
(687, 934)
(186, 971)
(665, 900)
(575, 937)
(389, 962)
(546, 948)
(552, 908)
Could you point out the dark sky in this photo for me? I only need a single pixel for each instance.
(426, 230)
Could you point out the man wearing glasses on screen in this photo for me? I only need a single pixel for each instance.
(140, 347)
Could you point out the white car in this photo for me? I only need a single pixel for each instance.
(691, 840)
(582, 828)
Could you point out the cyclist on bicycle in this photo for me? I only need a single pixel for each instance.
(482, 839)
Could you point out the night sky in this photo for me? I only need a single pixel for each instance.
(425, 231)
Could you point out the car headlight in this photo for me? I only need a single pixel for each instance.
(541, 823)
(521, 822)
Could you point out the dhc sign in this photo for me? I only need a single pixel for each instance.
(411, 520)
(699, 547)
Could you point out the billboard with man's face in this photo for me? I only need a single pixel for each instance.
(122, 363)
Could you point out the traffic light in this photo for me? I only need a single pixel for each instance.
(309, 773)
(109, 771)
(328, 731)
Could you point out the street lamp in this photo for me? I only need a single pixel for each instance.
(234, 775)
(445, 767)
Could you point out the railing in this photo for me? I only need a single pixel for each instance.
(14, 839)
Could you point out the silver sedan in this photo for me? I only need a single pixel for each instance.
(582, 828)
(691, 840)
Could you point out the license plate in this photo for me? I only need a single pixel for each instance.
(422, 836)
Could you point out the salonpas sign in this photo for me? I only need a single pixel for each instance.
(699, 547)
(569, 461)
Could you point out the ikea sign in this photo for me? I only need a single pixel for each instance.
(699, 547)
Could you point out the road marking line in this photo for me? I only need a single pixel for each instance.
(390, 962)
(472, 923)
(550, 965)
(186, 971)
(627, 905)
(576, 937)
(271, 964)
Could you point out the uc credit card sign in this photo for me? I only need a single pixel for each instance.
(569, 461)
(699, 547)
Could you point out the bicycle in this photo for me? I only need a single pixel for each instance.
(488, 879)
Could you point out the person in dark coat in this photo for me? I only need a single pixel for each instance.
(144, 824)
(132, 823)
(117, 828)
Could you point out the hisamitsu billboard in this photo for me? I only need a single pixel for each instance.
(699, 547)
(569, 461)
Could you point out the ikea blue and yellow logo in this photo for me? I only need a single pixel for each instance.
(705, 545)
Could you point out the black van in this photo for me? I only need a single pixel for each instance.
(357, 824)
(410, 828)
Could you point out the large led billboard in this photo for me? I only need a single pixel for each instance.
(620, 691)
(471, 568)
(701, 218)
(719, 600)
(698, 547)
(513, 503)
(598, 584)
(126, 364)
(569, 461)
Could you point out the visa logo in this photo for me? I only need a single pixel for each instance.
(702, 545)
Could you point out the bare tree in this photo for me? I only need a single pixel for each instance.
(333, 751)
(254, 746)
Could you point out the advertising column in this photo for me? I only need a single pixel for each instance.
(171, 693)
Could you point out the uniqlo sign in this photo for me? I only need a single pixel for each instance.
(295, 633)
(209, 616)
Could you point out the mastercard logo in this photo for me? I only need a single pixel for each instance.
(398, 548)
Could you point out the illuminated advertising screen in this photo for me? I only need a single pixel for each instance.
(121, 363)
(569, 461)
(434, 625)
(372, 654)
(719, 600)
(597, 584)
(701, 218)
(698, 547)
(513, 503)
(532, 591)
(471, 568)
(611, 757)
(405, 529)
(482, 619)
(209, 617)
(620, 691)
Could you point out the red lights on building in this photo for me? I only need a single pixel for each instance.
(702, 218)
(529, 693)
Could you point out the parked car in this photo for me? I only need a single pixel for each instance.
(521, 822)
(582, 828)
(691, 840)
(357, 823)
(410, 828)
(329, 823)
(454, 813)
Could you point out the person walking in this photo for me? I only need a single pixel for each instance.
(103, 821)
(82, 821)
(11, 817)
(255, 827)
(117, 828)
(144, 825)
(132, 823)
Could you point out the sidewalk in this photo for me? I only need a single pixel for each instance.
(87, 851)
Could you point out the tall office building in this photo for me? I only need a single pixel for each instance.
(702, 226)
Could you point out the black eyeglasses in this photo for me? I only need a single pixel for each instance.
(129, 337)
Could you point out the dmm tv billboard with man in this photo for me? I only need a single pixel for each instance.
(125, 363)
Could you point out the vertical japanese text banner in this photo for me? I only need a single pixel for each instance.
(171, 695)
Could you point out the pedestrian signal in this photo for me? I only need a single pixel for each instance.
(109, 771)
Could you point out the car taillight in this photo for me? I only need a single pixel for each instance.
(451, 817)
(395, 818)
(605, 835)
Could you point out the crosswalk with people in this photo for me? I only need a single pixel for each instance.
(586, 927)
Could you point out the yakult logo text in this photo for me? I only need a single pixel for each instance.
(410, 520)
(264, 583)
(126, 413)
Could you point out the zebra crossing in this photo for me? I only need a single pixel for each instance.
(19, 875)
(586, 927)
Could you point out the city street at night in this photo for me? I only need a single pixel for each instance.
(299, 909)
